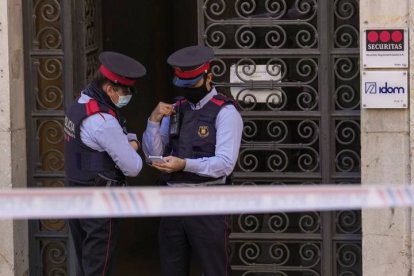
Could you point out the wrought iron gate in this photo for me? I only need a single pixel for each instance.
(293, 67)
(50, 48)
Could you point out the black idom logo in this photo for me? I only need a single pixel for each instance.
(385, 40)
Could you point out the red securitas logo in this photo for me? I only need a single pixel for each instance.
(385, 40)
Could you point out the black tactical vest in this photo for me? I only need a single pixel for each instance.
(83, 164)
(196, 139)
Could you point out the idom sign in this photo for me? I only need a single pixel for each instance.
(385, 48)
(384, 89)
(373, 88)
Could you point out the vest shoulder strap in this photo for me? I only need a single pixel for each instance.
(222, 100)
(93, 107)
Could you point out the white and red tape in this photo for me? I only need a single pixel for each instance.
(150, 201)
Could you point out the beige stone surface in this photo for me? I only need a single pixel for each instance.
(392, 222)
(386, 233)
(19, 158)
(13, 170)
(4, 71)
(384, 13)
(5, 160)
(391, 258)
(16, 66)
(392, 120)
(4, 86)
(386, 160)
(6, 248)
(411, 99)
(21, 247)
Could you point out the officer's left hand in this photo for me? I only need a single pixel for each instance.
(172, 164)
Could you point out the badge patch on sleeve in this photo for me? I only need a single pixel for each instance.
(203, 131)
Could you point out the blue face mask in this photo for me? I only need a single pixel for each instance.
(123, 101)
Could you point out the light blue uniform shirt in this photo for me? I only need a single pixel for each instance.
(229, 126)
(102, 132)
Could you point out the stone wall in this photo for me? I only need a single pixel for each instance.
(13, 169)
(385, 154)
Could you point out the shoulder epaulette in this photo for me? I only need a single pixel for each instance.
(93, 107)
(221, 99)
(180, 100)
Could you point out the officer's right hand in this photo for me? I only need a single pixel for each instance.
(162, 109)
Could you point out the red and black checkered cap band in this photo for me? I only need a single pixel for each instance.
(192, 73)
(115, 77)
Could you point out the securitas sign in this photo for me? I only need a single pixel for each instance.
(385, 40)
(385, 48)
(384, 89)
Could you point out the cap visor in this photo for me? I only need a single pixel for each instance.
(186, 83)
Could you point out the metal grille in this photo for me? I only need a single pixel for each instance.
(50, 47)
(293, 67)
(301, 122)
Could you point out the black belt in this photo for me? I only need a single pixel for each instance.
(103, 181)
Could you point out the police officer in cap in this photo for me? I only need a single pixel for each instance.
(100, 153)
(199, 136)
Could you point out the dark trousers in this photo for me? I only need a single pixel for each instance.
(204, 237)
(94, 241)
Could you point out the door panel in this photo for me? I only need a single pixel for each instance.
(293, 67)
(54, 33)
(301, 120)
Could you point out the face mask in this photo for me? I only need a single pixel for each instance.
(123, 101)
(194, 95)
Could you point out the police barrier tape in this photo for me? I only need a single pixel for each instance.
(36, 203)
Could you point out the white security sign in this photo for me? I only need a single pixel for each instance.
(384, 89)
(385, 48)
(255, 73)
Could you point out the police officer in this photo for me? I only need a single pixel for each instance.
(100, 153)
(199, 137)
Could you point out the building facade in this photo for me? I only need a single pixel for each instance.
(294, 66)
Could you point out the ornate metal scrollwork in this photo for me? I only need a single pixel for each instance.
(310, 222)
(47, 16)
(278, 223)
(49, 94)
(49, 54)
(50, 69)
(51, 146)
(347, 160)
(347, 132)
(279, 253)
(54, 255)
(49, 37)
(346, 33)
(248, 223)
(310, 254)
(347, 97)
(54, 225)
(245, 24)
(296, 97)
(249, 252)
(349, 256)
(346, 69)
(348, 221)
